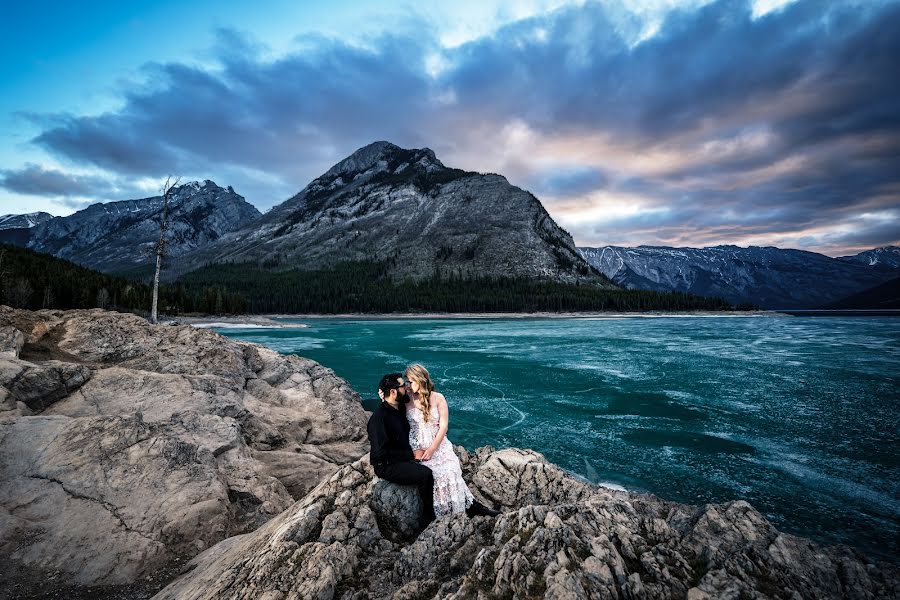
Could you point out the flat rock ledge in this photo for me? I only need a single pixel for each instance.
(128, 448)
(557, 538)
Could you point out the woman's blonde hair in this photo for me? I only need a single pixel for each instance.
(420, 375)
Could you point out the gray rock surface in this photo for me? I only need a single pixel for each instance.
(557, 538)
(106, 499)
(126, 447)
(404, 207)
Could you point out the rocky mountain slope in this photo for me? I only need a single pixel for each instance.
(558, 538)
(16, 229)
(768, 277)
(886, 256)
(24, 221)
(386, 203)
(117, 236)
(126, 448)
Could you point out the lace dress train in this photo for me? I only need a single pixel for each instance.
(451, 494)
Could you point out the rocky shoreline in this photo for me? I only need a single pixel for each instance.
(353, 538)
(138, 460)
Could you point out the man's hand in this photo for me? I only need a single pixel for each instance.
(427, 454)
(418, 454)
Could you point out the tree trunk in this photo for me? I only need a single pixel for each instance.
(156, 287)
(161, 244)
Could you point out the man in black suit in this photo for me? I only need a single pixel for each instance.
(390, 452)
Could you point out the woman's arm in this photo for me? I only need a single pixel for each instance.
(444, 413)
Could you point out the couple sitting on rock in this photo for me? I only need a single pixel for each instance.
(409, 445)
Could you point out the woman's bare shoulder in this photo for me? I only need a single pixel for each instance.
(438, 397)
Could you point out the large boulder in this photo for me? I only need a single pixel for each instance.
(127, 447)
(576, 541)
(398, 509)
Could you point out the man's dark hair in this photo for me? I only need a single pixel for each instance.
(388, 383)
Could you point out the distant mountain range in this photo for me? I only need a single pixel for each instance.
(765, 276)
(118, 236)
(405, 209)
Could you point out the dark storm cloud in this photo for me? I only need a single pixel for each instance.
(34, 180)
(273, 116)
(787, 122)
(813, 78)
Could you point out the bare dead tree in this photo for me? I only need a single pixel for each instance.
(167, 190)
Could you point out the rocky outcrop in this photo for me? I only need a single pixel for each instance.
(557, 538)
(127, 447)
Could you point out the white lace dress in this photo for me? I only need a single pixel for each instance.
(451, 494)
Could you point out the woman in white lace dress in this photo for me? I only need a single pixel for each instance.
(428, 419)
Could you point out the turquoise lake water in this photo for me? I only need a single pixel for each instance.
(797, 415)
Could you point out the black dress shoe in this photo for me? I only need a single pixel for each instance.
(480, 510)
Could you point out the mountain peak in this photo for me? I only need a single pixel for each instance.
(199, 185)
(378, 156)
(396, 206)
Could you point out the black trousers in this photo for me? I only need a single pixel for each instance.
(412, 473)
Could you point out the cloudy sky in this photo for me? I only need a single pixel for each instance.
(667, 122)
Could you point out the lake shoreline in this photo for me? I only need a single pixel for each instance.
(232, 322)
(534, 315)
(285, 320)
